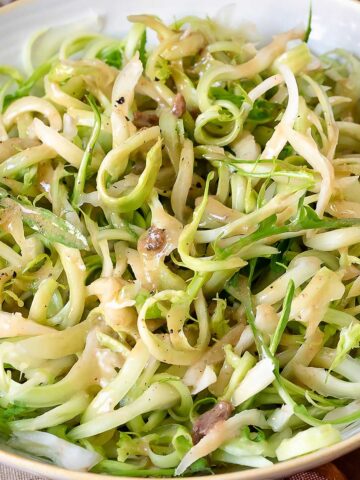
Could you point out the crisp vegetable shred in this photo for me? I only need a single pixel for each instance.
(179, 251)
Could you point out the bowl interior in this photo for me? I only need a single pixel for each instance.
(335, 22)
(335, 25)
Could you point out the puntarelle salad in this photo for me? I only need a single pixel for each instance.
(180, 242)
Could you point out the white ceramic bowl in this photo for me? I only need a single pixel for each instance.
(336, 23)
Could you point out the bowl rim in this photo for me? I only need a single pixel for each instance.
(285, 468)
(308, 461)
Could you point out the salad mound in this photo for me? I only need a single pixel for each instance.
(179, 251)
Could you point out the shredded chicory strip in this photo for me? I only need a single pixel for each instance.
(179, 251)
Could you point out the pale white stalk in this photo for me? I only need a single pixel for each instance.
(306, 146)
(299, 271)
(33, 104)
(265, 86)
(306, 352)
(15, 325)
(3, 133)
(109, 396)
(319, 380)
(125, 83)
(307, 441)
(75, 271)
(183, 181)
(311, 304)
(207, 378)
(58, 96)
(348, 367)
(340, 412)
(257, 378)
(84, 118)
(334, 240)
(278, 140)
(62, 453)
(219, 434)
(331, 126)
(247, 223)
(50, 137)
(159, 396)
(61, 414)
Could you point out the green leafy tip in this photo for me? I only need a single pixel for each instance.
(309, 25)
(86, 159)
(52, 227)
